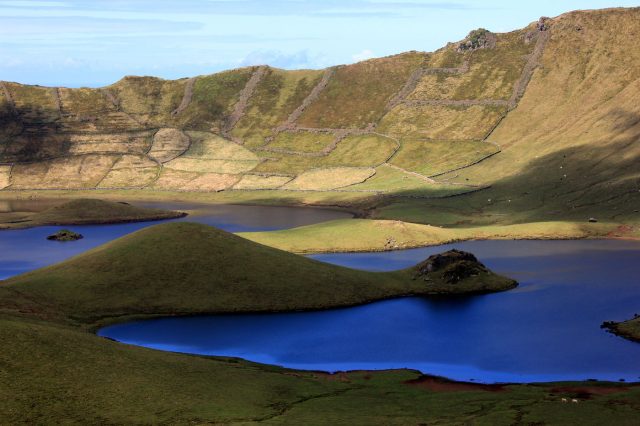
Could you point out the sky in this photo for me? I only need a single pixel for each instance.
(93, 43)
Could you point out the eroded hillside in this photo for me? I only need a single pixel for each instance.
(552, 105)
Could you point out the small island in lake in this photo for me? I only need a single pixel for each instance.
(65, 235)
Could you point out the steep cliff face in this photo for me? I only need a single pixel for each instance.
(553, 105)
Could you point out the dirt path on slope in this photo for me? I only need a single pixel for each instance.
(311, 97)
(527, 73)
(7, 96)
(186, 98)
(241, 105)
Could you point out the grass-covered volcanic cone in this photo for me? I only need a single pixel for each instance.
(187, 268)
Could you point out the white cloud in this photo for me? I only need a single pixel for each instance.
(12, 62)
(279, 59)
(362, 56)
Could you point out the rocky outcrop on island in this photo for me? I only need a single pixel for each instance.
(452, 266)
(65, 235)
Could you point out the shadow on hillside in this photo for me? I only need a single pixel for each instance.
(306, 199)
(31, 135)
(577, 183)
(601, 180)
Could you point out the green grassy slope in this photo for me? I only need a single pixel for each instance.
(432, 157)
(150, 100)
(571, 153)
(213, 99)
(186, 268)
(358, 94)
(277, 95)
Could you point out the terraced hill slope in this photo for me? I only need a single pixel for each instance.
(552, 106)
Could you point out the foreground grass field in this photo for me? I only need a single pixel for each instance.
(58, 374)
(56, 371)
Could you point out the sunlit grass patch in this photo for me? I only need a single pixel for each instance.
(192, 181)
(261, 182)
(441, 122)
(330, 178)
(83, 171)
(131, 171)
(430, 157)
(301, 141)
(357, 94)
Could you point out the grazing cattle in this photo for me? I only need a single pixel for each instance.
(575, 401)
(564, 400)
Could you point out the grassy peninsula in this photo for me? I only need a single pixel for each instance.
(187, 268)
(86, 211)
(363, 235)
(629, 329)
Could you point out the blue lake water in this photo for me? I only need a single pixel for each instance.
(546, 330)
(27, 249)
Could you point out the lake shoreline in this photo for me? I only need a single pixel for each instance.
(362, 208)
(375, 235)
(531, 301)
(441, 382)
(107, 321)
(206, 198)
(178, 215)
(85, 211)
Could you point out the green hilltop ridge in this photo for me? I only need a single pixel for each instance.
(540, 123)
